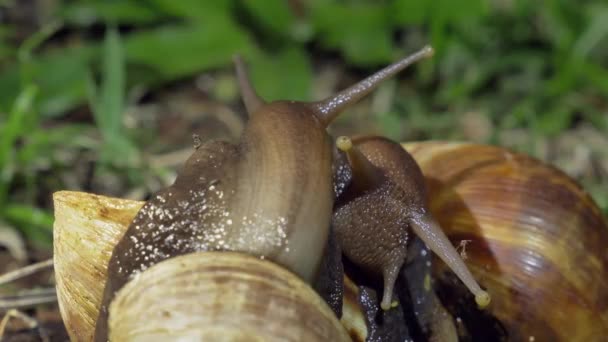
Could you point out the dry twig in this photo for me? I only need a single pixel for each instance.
(25, 271)
(29, 321)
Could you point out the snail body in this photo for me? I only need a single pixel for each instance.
(269, 196)
(537, 243)
(386, 198)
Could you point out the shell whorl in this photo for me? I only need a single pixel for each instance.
(536, 240)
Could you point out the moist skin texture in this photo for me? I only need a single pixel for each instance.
(249, 198)
(270, 196)
(383, 203)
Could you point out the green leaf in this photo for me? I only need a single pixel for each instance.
(556, 120)
(409, 12)
(10, 131)
(274, 16)
(45, 144)
(107, 103)
(198, 11)
(112, 86)
(291, 75)
(458, 11)
(59, 74)
(594, 34)
(596, 75)
(35, 223)
(361, 31)
(391, 124)
(33, 42)
(14, 127)
(175, 51)
(109, 11)
(165, 53)
(32, 216)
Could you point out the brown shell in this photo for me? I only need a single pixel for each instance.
(538, 241)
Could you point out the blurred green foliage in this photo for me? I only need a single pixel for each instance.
(535, 65)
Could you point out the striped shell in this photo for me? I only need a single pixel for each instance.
(221, 296)
(86, 229)
(538, 242)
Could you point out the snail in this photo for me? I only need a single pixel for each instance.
(88, 226)
(537, 244)
(385, 199)
(269, 196)
(214, 296)
(263, 203)
(536, 241)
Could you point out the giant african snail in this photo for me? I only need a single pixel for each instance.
(538, 241)
(385, 199)
(270, 195)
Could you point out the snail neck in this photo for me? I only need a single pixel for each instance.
(285, 183)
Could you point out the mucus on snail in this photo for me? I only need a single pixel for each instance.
(201, 296)
(264, 196)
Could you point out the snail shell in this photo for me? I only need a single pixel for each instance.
(226, 287)
(221, 296)
(86, 229)
(537, 240)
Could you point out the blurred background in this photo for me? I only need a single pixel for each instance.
(104, 95)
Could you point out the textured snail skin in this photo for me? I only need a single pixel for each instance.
(419, 316)
(537, 241)
(270, 195)
(516, 211)
(246, 198)
(387, 198)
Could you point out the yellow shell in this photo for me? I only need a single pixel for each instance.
(538, 242)
(86, 229)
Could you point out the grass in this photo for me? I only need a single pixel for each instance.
(528, 75)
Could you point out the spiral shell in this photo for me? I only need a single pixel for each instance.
(537, 241)
(221, 296)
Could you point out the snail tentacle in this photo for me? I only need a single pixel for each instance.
(250, 97)
(390, 275)
(427, 228)
(327, 110)
(365, 174)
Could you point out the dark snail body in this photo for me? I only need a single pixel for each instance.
(271, 195)
(385, 199)
(215, 204)
(168, 224)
